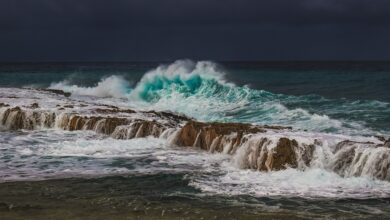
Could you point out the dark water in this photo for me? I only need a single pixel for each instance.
(353, 80)
(164, 197)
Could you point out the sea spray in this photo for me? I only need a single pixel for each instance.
(201, 90)
(113, 86)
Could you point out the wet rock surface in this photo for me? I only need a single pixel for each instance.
(34, 105)
(3, 105)
(254, 147)
(56, 91)
(209, 136)
(14, 118)
(387, 143)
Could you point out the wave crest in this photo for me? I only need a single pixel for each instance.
(200, 90)
(183, 76)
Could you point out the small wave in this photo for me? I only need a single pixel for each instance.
(311, 183)
(112, 86)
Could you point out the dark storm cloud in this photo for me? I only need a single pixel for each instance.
(119, 13)
(211, 29)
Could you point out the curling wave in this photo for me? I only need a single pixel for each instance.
(200, 90)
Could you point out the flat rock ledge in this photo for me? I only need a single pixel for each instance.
(251, 144)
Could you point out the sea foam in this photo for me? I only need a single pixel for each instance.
(113, 86)
(201, 90)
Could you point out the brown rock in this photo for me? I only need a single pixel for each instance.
(307, 154)
(381, 138)
(3, 105)
(14, 118)
(346, 143)
(105, 125)
(171, 116)
(34, 105)
(261, 153)
(188, 135)
(214, 136)
(283, 155)
(276, 127)
(113, 111)
(109, 106)
(56, 91)
(387, 143)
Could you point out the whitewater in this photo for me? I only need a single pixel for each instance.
(200, 90)
(48, 150)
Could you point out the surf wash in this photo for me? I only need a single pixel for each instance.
(262, 148)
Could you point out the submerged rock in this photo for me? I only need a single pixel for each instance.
(34, 105)
(3, 105)
(113, 110)
(387, 143)
(381, 138)
(56, 91)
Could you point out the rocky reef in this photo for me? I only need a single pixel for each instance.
(262, 148)
(14, 118)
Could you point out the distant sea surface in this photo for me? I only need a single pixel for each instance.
(352, 80)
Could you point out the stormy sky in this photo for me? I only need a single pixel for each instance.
(160, 30)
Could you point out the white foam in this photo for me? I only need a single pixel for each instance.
(112, 86)
(103, 148)
(59, 154)
(240, 104)
(185, 69)
(312, 183)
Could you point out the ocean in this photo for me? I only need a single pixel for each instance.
(65, 173)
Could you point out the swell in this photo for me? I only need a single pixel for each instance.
(200, 90)
(261, 148)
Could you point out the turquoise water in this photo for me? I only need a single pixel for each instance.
(206, 95)
(351, 80)
(347, 98)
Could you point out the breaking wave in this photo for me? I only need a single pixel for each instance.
(112, 86)
(200, 90)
